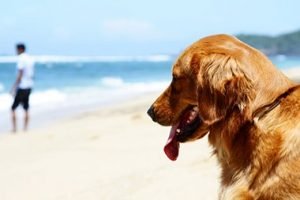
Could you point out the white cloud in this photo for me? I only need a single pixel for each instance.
(129, 29)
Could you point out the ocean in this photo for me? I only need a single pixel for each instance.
(73, 84)
(81, 81)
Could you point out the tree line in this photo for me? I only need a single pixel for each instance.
(285, 44)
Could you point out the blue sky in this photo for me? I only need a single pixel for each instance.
(135, 27)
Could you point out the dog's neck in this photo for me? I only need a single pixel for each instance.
(265, 109)
(267, 90)
(232, 137)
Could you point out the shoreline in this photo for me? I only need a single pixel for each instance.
(42, 119)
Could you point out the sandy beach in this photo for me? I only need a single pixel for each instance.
(109, 154)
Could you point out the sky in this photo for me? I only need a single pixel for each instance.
(135, 27)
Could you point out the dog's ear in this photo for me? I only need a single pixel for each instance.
(224, 87)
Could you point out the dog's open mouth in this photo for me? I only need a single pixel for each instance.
(187, 125)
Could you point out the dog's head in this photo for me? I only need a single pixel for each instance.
(213, 79)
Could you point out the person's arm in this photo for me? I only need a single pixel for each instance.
(17, 82)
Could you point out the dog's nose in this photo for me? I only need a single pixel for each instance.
(151, 113)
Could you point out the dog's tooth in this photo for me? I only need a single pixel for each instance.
(192, 114)
(188, 121)
(178, 130)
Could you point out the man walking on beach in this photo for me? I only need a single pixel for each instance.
(23, 85)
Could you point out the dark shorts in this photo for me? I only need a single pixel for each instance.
(22, 97)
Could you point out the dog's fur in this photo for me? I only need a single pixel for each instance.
(250, 110)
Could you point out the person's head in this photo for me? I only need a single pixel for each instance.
(20, 47)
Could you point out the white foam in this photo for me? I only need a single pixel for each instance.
(46, 98)
(52, 96)
(112, 90)
(112, 82)
(8, 59)
(6, 101)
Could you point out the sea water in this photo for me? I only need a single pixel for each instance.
(82, 81)
(73, 84)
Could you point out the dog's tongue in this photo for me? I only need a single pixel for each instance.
(172, 147)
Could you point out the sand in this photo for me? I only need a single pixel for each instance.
(114, 153)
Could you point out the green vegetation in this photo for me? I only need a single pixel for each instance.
(286, 44)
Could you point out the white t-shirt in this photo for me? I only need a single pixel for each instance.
(26, 63)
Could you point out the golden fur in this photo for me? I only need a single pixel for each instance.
(250, 110)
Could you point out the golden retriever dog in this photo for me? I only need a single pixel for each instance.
(249, 109)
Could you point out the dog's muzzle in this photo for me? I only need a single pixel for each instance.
(151, 113)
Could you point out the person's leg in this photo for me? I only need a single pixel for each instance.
(26, 120)
(14, 121)
(26, 108)
(13, 111)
